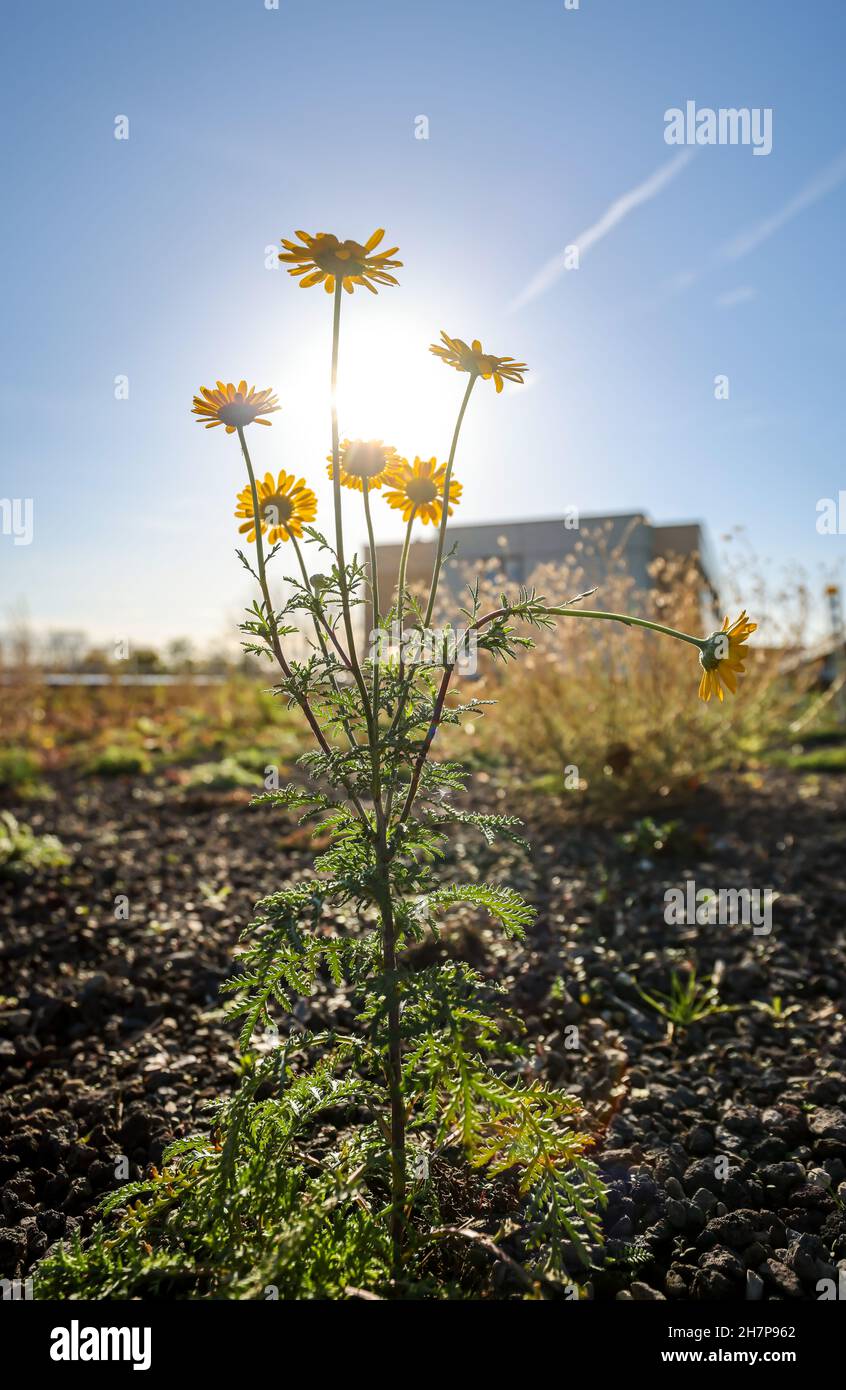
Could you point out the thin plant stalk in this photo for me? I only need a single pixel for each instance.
(629, 621)
(336, 497)
(374, 594)
(374, 573)
(400, 620)
(321, 623)
(318, 630)
(394, 1066)
(372, 725)
(401, 581)
(436, 571)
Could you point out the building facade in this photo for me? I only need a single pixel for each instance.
(512, 553)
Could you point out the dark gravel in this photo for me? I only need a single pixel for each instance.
(724, 1148)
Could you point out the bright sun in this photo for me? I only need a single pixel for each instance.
(391, 388)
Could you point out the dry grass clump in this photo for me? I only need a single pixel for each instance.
(611, 711)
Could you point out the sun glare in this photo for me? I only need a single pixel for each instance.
(390, 388)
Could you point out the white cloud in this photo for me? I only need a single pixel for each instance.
(730, 298)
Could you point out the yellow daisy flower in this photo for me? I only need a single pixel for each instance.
(284, 504)
(364, 458)
(722, 657)
(233, 406)
(416, 489)
(324, 259)
(456, 353)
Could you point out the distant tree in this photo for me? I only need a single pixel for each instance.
(146, 661)
(179, 655)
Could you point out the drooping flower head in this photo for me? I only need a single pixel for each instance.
(233, 406)
(416, 489)
(456, 353)
(362, 459)
(323, 259)
(722, 657)
(284, 504)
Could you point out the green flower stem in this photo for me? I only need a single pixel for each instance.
(406, 680)
(374, 593)
(339, 523)
(273, 626)
(437, 712)
(336, 497)
(336, 448)
(318, 629)
(374, 573)
(259, 541)
(319, 617)
(401, 579)
(625, 618)
(436, 572)
(394, 1062)
(372, 725)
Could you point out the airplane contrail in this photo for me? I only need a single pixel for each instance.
(824, 182)
(618, 210)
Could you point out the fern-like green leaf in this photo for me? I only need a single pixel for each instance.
(514, 912)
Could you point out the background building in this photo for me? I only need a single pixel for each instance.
(515, 551)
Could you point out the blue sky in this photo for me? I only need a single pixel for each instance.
(146, 257)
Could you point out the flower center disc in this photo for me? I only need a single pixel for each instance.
(365, 460)
(237, 412)
(421, 490)
(348, 258)
(277, 510)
